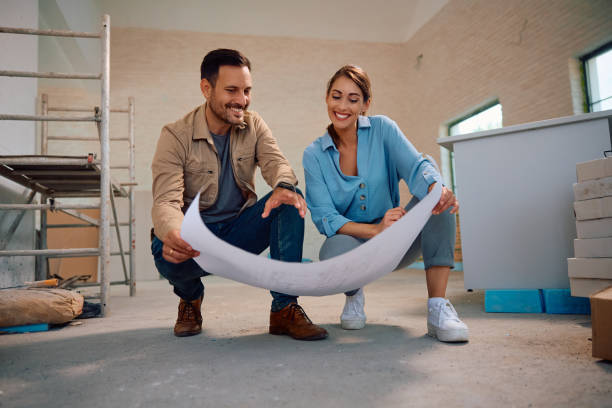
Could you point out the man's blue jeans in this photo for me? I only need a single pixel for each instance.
(282, 231)
(436, 243)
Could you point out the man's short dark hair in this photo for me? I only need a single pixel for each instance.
(222, 56)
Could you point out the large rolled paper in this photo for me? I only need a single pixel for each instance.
(351, 270)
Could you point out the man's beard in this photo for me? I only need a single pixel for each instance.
(224, 113)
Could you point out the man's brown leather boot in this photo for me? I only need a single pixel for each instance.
(189, 321)
(292, 321)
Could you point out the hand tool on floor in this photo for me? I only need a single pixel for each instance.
(47, 283)
(73, 279)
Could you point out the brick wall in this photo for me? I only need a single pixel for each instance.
(513, 51)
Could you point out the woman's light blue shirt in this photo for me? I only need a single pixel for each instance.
(384, 156)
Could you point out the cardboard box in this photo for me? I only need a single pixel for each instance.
(594, 169)
(593, 189)
(599, 228)
(595, 208)
(601, 320)
(80, 237)
(593, 248)
(585, 287)
(598, 268)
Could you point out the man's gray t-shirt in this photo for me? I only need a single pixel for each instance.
(230, 199)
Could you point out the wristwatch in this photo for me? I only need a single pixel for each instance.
(286, 185)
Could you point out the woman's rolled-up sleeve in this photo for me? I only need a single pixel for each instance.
(411, 166)
(324, 214)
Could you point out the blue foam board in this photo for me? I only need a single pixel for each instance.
(514, 301)
(28, 328)
(560, 301)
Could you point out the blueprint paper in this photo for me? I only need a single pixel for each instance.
(351, 270)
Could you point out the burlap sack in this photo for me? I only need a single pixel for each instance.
(32, 306)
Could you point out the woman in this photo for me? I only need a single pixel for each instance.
(352, 190)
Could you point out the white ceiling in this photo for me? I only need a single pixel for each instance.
(358, 20)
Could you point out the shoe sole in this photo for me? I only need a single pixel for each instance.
(448, 336)
(187, 334)
(352, 324)
(280, 332)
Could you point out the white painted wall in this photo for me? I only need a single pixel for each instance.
(64, 54)
(391, 21)
(17, 96)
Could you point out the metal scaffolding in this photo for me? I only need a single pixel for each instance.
(85, 181)
(80, 176)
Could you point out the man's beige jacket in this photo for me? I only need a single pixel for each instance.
(186, 163)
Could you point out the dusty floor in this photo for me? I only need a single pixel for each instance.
(131, 358)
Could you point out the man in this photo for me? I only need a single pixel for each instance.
(214, 150)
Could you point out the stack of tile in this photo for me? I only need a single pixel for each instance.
(591, 269)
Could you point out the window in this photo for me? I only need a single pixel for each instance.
(486, 118)
(598, 79)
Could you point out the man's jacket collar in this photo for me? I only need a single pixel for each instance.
(200, 127)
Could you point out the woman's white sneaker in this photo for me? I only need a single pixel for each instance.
(443, 322)
(353, 317)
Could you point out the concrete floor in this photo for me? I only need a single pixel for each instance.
(131, 358)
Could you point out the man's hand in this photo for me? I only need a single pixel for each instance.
(283, 196)
(176, 250)
(390, 217)
(447, 199)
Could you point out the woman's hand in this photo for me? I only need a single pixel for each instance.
(447, 199)
(367, 231)
(390, 217)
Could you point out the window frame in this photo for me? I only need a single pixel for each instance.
(451, 154)
(475, 112)
(588, 104)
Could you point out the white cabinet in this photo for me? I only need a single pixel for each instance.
(516, 198)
